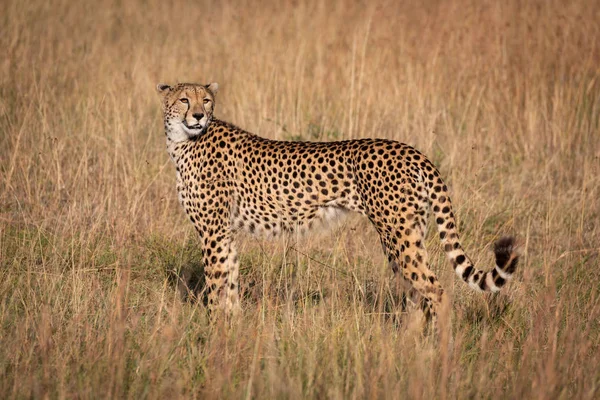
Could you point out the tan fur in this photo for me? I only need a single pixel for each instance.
(229, 180)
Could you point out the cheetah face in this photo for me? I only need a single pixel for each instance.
(188, 109)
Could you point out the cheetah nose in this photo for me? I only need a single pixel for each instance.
(198, 116)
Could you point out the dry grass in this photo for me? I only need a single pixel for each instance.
(503, 96)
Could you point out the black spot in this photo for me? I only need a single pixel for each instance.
(482, 284)
(499, 281)
(467, 272)
(512, 266)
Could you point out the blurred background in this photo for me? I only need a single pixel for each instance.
(503, 96)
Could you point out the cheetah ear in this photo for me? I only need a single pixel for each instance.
(163, 88)
(213, 87)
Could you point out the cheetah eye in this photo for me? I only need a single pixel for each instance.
(206, 101)
(184, 100)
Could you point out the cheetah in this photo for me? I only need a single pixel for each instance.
(230, 180)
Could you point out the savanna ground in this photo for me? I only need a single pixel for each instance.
(503, 96)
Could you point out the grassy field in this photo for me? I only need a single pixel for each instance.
(503, 96)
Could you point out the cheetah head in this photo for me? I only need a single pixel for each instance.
(188, 109)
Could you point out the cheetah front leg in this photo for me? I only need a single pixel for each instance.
(221, 270)
(219, 255)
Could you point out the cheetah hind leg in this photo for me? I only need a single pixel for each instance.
(412, 304)
(412, 269)
(410, 299)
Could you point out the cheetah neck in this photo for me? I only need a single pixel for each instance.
(177, 149)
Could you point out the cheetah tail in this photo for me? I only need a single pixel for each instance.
(505, 250)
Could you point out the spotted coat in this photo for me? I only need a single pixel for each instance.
(230, 180)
